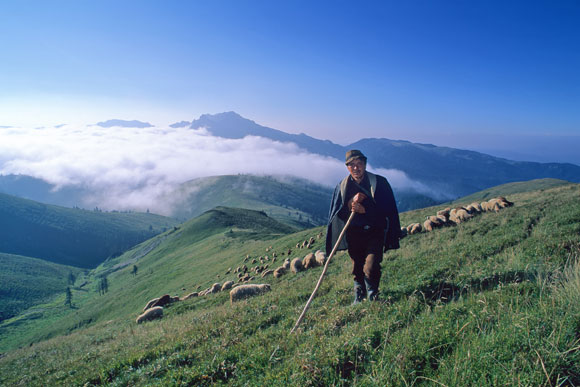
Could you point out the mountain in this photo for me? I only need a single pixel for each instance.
(73, 237)
(488, 301)
(296, 202)
(458, 172)
(450, 172)
(232, 125)
(124, 124)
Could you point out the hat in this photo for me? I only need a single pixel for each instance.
(354, 154)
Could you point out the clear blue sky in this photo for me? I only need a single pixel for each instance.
(498, 76)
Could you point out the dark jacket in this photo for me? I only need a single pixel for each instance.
(384, 207)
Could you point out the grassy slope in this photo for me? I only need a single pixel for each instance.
(297, 202)
(26, 281)
(493, 301)
(72, 236)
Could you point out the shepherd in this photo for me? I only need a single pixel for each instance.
(375, 228)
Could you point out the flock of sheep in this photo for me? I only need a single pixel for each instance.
(451, 216)
(242, 290)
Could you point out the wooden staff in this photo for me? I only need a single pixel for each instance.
(323, 272)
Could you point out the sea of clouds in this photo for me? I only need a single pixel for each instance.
(132, 168)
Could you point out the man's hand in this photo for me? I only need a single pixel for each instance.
(355, 203)
(358, 208)
(359, 197)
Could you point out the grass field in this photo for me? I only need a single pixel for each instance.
(492, 301)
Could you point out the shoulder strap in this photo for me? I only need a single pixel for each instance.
(343, 188)
(373, 181)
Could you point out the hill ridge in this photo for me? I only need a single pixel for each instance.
(464, 305)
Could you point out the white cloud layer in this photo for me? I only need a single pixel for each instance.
(131, 168)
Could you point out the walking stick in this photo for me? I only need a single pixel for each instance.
(320, 279)
(323, 271)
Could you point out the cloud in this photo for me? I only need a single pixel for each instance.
(400, 181)
(132, 168)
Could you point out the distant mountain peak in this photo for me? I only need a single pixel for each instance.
(124, 124)
(181, 124)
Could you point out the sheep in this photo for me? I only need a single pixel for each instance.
(309, 261)
(150, 314)
(215, 288)
(443, 220)
(460, 215)
(190, 295)
(416, 228)
(244, 291)
(504, 202)
(428, 225)
(296, 265)
(267, 273)
(286, 264)
(162, 301)
(403, 232)
(470, 209)
(320, 257)
(435, 221)
(279, 272)
(493, 205)
(150, 303)
(227, 285)
(311, 240)
(444, 212)
(477, 207)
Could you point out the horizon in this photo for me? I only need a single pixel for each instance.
(496, 78)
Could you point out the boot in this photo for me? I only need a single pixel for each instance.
(372, 289)
(359, 292)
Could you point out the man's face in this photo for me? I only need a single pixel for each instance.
(357, 169)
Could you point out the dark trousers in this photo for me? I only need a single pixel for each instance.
(366, 252)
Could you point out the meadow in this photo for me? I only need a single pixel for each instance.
(492, 301)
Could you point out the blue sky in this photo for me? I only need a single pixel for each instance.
(495, 76)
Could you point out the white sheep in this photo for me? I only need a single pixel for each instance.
(309, 261)
(320, 257)
(249, 290)
(190, 295)
(150, 314)
(279, 272)
(296, 265)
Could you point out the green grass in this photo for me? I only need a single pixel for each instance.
(493, 301)
(296, 202)
(26, 281)
(70, 236)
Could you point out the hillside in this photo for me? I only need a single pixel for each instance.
(492, 301)
(297, 202)
(26, 281)
(69, 236)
